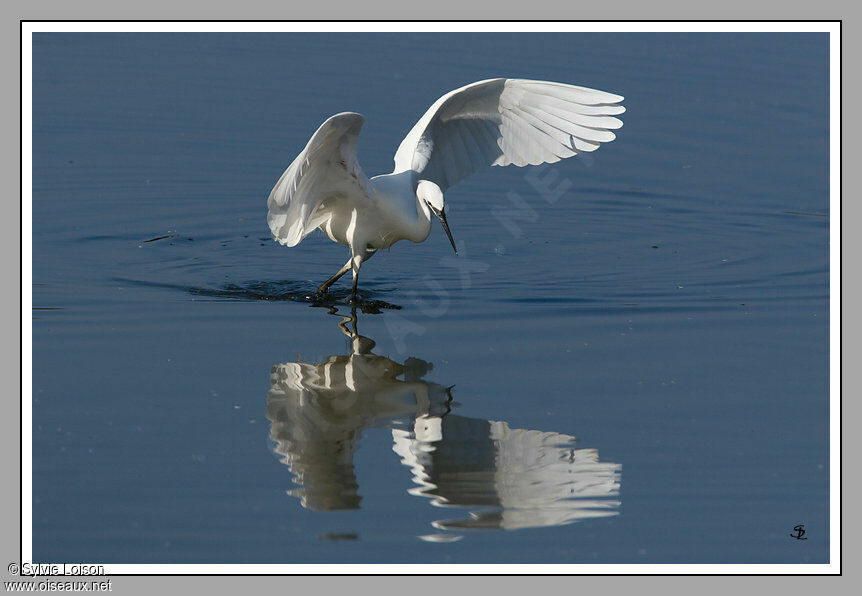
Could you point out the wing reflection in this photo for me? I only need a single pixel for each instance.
(507, 478)
(521, 478)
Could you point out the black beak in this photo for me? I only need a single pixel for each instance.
(441, 215)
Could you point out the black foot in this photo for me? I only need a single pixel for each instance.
(320, 294)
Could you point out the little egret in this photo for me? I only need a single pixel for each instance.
(497, 122)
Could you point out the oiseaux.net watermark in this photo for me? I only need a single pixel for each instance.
(54, 585)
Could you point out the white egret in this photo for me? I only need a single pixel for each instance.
(496, 122)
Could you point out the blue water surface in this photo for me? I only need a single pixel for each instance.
(628, 362)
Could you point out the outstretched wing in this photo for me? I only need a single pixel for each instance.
(326, 169)
(506, 121)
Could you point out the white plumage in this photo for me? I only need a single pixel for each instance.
(496, 122)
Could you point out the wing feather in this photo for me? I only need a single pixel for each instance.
(570, 114)
(461, 161)
(506, 121)
(326, 168)
(485, 141)
(562, 139)
(532, 146)
(562, 130)
(542, 148)
(478, 154)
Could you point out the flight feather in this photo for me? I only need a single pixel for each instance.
(499, 122)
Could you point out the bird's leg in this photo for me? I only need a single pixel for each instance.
(325, 285)
(356, 262)
(354, 319)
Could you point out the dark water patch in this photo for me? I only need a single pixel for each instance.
(338, 536)
(103, 237)
(637, 192)
(288, 291)
(807, 214)
(173, 239)
(157, 238)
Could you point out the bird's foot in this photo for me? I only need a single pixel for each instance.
(320, 294)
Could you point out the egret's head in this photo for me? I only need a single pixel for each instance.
(430, 194)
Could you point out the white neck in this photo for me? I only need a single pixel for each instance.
(398, 191)
(418, 228)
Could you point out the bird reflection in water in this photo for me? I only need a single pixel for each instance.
(318, 412)
(507, 478)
